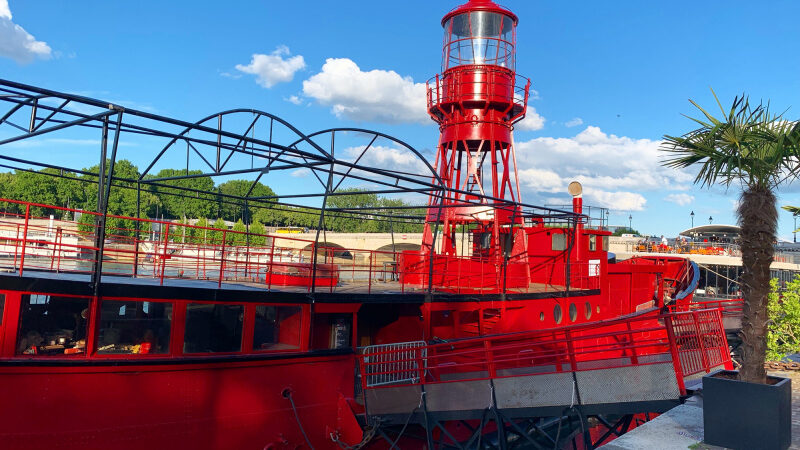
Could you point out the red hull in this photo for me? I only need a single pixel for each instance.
(233, 405)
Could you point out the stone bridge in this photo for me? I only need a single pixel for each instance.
(382, 242)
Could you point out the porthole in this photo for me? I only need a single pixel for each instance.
(588, 311)
(598, 310)
(557, 313)
(541, 316)
(573, 312)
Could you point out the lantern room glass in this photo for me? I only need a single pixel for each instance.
(479, 37)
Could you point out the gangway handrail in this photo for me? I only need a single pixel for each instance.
(694, 341)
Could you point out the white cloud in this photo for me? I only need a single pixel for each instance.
(620, 201)
(300, 173)
(388, 158)
(577, 121)
(234, 76)
(532, 121)
(374, 96)
(16, 43)
(613, 170)
(295, 99)
(680, 199)
(273, 68)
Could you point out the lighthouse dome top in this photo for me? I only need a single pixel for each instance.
(480, 5)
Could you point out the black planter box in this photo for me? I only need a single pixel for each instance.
(741, 415)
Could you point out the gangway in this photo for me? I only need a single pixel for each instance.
(639, 363)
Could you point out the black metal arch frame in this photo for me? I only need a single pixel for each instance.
(46, 111)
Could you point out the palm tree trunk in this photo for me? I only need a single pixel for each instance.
(758, 218)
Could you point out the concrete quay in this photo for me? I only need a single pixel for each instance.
(682, 427)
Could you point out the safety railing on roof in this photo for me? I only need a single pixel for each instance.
(686, 248)
(693, 342)
(478, 84)
(47, 238)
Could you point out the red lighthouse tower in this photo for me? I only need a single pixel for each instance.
(476, 100)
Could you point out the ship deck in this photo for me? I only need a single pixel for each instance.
(374, 292)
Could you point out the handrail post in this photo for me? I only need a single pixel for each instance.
(16, 247)
(421, 363)
(271, 260)
(369, 279)
(571, 349)
(634, 356)
(673, 350)
(222, 258)
(60, 236)
(314, 249)
(56, 247)
(703, 354)
(487, 347)
(24, 238)
(724, 355)
(164, 254)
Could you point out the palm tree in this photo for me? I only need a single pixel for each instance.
(757, 150)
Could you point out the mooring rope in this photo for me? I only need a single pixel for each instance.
(288, 395)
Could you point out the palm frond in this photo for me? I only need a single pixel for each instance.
(748, 143)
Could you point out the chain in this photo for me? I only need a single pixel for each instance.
(785, 366)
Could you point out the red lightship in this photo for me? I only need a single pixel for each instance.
(507, 323)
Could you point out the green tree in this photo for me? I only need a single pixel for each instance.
(758, 150)
(784, 319)
(215, 236)
(621, 231)
(200, 234)
(257, 234)
(86, 226)
(178, 231)
(122, 196)
(238, 238)
(189, 203)
(240, 188)
(34, 187)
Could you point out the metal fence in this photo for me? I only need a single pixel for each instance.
(394, 363)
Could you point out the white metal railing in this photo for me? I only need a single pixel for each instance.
(394, 363)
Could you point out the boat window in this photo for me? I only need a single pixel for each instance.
(2, 306)
(559, 242)
(134, 327)
(592, 242)
(573, 312)
(52, 325)
(605, 243)
(213, 328)
(277, 328)
(332, 331)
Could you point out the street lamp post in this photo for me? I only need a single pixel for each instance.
(608, 224)
(692, 214)
(630, 222)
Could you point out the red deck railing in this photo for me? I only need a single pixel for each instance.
(727, 306)
(191, 252)
(694, 341)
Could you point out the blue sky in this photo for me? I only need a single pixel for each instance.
(611, 78)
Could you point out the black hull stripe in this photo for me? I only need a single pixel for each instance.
(179, 361)
(46, 284)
